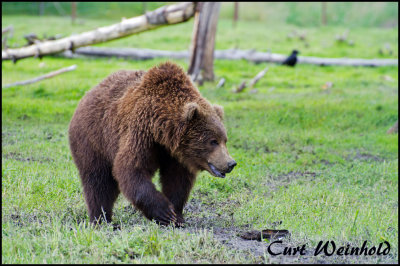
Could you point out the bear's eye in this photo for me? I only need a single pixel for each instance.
(214, 142)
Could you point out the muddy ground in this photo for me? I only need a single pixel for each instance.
(256, 251)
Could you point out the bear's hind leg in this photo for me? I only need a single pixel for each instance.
(101, 191)
(99, 187)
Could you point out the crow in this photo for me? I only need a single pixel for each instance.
(292, 59)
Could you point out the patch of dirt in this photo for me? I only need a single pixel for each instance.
(230, 237)
(7, 138)
(284, 180)
(24, 219)
(204, 214)
(201, 215)
(256, 146)
(363, 156)
(326, 162)
(257, 251)
(126, 252)
(264, 234)
(19, 157)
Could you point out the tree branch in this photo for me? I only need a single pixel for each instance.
(162, 16)
(49, 75)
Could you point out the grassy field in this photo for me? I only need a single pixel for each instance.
(349, 14)
(314, 161)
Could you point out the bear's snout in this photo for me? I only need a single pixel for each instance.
(231, 165)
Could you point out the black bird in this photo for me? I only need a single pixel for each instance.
(292, 59)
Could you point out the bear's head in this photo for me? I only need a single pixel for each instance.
(203, 143)
(185, 123)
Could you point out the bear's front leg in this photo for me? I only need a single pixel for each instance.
(135, 183)
(177, 183)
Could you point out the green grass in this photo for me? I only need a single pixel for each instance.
(349, 14)
(318, 160)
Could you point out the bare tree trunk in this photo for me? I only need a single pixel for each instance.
(73, 12)
(162, 16)
(49, 75)
(41, 8)
(208, 61)
(144, 7)
(235, 13)
(7, 31)
(323, 12)
(203, 41)
(59, 8)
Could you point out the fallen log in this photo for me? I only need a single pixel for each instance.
(230, 54)
(128, 53)
(46, 76)
(165, 15)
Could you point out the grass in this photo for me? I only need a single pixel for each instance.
(349, 14)
(317, 160)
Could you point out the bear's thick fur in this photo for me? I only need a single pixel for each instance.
(135, 122)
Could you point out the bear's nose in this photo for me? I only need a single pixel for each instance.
(231, 164)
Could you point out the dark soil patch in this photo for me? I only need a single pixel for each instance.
(257, 251)
(264, 234)
(20, 157)
(201, 214)
(7, 138)
(326, 162)
(364, 156)
(24, 219)
(275, 183)
(123, 254)
(253, 146)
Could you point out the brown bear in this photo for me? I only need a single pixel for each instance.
(135, 122)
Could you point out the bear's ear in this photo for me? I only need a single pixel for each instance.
(220, 111)
(189, 111)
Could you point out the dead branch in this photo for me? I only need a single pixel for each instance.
(252, 82)
(258, 77)
(162, 16)
(7, 29)
(230, 54)
(394, 128)
(221, 83)
(46, 76)
(241, 87)
(7, 32)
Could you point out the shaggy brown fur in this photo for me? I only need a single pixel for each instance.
(136, 122)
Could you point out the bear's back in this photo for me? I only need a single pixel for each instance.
(114, 86)
(95, 110)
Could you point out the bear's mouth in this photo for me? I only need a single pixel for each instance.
(215, 171)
